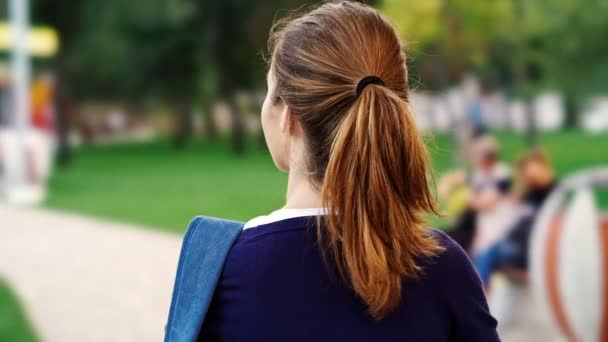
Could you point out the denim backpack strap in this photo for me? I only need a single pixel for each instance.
(204, 250)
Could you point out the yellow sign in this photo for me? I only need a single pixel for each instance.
(42, 41)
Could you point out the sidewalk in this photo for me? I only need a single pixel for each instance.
(82, 279)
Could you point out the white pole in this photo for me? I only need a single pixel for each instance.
(20, 71)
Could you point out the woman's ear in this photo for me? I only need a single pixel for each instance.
(284, 120)
(289, 123)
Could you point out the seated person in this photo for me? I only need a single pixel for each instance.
(454, 192)
(511, 253)
(490, 201)
(479, 222)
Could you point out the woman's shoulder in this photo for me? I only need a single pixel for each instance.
(451, 267)
(455, 280)
(451, 250)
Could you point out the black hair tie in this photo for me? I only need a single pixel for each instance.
(367, 80)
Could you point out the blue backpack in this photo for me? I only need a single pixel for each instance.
(204, 250)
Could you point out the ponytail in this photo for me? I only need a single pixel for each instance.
(365, 154)
(375, 188)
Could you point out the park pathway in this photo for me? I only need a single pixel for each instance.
(83, 279)
(87, 280)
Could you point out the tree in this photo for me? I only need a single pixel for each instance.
(446, 39)
(567, 42)
(180, 53)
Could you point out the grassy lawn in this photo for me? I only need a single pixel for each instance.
(154, 185)
(13, 325)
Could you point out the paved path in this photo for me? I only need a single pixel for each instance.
(87, 280)
(527, 324)
(83, 280)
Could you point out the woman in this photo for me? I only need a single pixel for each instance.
(348, 257)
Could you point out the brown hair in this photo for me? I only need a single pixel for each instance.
(536, 154)
(366, 155)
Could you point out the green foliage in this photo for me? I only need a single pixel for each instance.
(178, 54)
(14, 326)
(173, 49)
(520, 44)
(137, 49)
(445, 39)
(568, 38)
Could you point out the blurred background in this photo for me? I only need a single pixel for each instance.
(122, 120)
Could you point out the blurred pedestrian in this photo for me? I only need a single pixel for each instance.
(42, 98)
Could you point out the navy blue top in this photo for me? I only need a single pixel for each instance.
(276, 287)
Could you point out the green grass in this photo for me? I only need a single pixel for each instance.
(155, 185)
(13, 325)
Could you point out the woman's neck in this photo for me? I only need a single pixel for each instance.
(301, 193)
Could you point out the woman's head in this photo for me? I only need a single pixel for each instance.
(317, 61)
(486, 152)
(361, 149)
(534, 169)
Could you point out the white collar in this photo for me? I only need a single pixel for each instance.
(283, 214)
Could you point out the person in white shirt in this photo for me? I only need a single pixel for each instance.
(495, 211)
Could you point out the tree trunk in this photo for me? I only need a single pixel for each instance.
(571, 111)
(62, 116)
(531, 129)
(209, 119)
(184, 125)
(238, 127)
